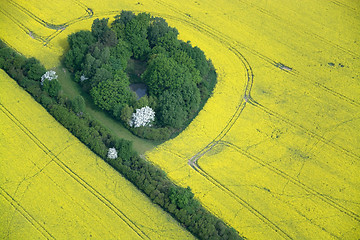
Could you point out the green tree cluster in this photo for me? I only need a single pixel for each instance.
(176, 74)
(178, 201)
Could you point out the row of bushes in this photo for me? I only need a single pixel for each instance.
(178, 201)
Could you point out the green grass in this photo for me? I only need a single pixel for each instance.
(72, 89)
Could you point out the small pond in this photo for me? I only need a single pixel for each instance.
(139, 88)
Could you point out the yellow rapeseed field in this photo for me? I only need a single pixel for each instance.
(275, 152)
(52, 186)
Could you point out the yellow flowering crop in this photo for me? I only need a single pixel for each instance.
(52, 186)
(280, 135)
(282, 129)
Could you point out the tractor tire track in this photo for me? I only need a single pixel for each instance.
(23, 27)
(247, 98)
(36, 18)
(340, 4)
(272, 62)
(293, 180)
(37, 225)
(306, 32)
(242, 202)
(58, 27)
(279, 65)
(193, 162)
(73, 175)
(305, 130)
(90, 13)
(240, 107)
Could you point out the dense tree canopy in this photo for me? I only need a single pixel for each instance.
(175, 73)
(111, 92)
(79, 43)
(164, 73)
(171, 111)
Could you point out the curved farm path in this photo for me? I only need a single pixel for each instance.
(340, 206)
(275, 151)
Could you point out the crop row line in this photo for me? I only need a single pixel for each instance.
(193, 161)
(272, 62)
(34, 17)
(90, 13)
(22, 26)
(61, 27)
(298, 28)
(37, 225)
(293, 180)
(242, 202)
(247, 98)
(74, 175)
(300, 127)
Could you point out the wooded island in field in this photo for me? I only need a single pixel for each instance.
(99, 60)
(140, 49)
(273, 153)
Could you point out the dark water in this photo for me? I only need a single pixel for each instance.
(139, 88)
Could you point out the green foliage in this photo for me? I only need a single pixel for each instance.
(136, 35)
(181, 197)
(124, 148)
(101, 75)
(78, 104)
(191, 97)
(90, 65)
(126, 113)
(171, 109)
(142, 102)
(157, 134)
(119, 56)
(46, 101)
(33, 69)
(51, 87)
(7, 55)
(199, 58)
(101, 31)
(173, 66)
(99, 27)
(169, 42)
(73, 59)
(123, 18)
(110, 93)
(164, 73)
(158, 28)
(152, 100)
(79, 43)
(179, 202)
(82, 40)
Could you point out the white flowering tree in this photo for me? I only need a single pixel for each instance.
(112, 153)
(50, 84)
(49, 75)
(142, 117)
